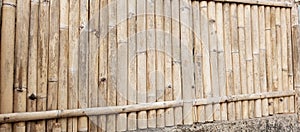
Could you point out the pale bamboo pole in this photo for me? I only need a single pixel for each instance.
(83, 64)
(279, 56)
(122, 69)
(94, 6)
(249, 58)
(7, 59)
(63, 61)
(32, 62)
(141, 61)
(274, 59)
(269, 57)
(53, 61)
(112, 63)
(160, 58)
(221, 58)
(132, 63)
(151, 60)
(102, 95)
(168, 88)
(243, 62)
(43, 41)
(228, 60)
(178, 117)
(74, 22)
(21, 54)
(56, 127)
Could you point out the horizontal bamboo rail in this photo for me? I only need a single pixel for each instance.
(258, 2)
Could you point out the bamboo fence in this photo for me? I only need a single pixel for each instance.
(119, 65)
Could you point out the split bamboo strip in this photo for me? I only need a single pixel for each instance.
(262, 57)
(296, 62)
(159, 51)
(0, 14)
(151, 61)
(102, 95)
(7, 59)
(141, 61)
(21, 52)
(228, 60)
(132, 63)
(249, 58)
(53, 61)
(255, 54)
(43, 41)
(221, 58)
(32, 61)
(112, 63)
(28, 116)
(274, 58)
(176, 60)
(168, 88)
(74, 22)
(63, 61)
(186, 57)
(243, 62)
(83, 64)
(122, 69)
(56, 127)
(235, 59)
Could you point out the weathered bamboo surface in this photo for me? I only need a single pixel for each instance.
(119, 65)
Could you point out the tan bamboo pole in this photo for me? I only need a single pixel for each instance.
(132, 63)
(160, 60)
(56, 127)
(7, 58)
(168, 88)
(243, 62)
(63, 61)
(141, 61)
(228, 60)
(249, 58)
(274, 58)
(32, 62)
(21, 54)
(122, 69)
(112, 63)
(221, 58)
(73, 61)
(102, 95)
(53, 61)
(178, 117)
(83, 64)
(279, 56)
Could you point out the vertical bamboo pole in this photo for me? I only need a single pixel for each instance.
(63, 61)
(112, 63)
(102, 95)
(279, 56)
(56, 128)
(73, 61)
(151, 76)
(32, 62)
(122, 70)
(221, 58)
(228, 60)
(269, 57)
(132, 63)
(21, 52)
(141, 61)
(274, 59)
(53, 61)
(83, 64)
(176, 60)
(159, 51)
(43, 41)
(7, 59)
(249, 58)
(168, 88)
(93, 60)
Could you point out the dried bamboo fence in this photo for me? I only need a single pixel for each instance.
(108, 65)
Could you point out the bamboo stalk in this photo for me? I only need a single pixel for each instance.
(7, 58)
(122, 70)
(296, 61)
(53, 61)
(176, 60)
(168, 88)
(56, 127)
(274, 58)
(28, 116)
(141, 61)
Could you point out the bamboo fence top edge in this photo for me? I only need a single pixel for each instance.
(257, 2)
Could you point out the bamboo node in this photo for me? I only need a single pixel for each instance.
(9, 4)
